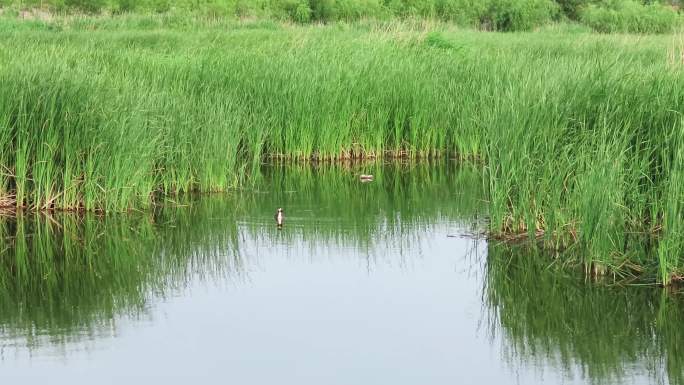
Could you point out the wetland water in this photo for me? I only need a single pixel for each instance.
(376, 283)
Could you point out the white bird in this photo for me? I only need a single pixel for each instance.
(279, 217)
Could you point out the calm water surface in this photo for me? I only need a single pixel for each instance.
(378, 283)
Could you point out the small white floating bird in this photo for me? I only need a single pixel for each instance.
(279, 217)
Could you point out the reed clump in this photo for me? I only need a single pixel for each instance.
(580, 135)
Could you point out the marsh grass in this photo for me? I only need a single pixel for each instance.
(580, 135)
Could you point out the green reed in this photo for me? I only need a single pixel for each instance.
(579, 134)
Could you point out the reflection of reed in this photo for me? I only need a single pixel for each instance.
(67, 277)
(556, 319)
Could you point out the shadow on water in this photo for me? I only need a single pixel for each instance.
(547, 315)
(67, 278)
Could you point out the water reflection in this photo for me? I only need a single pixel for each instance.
(363, 279)
(67, 278)
(558, 322)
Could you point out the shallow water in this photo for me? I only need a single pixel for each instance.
(372, 283)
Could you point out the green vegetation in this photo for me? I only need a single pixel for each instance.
(107, 120)
(580, 134)
(500, 15)
(629, 16)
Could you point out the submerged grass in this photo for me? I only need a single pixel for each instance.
(580, 135)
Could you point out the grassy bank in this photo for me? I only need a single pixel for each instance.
(580, 134)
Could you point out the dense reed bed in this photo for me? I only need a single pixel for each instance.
(106, 120)
(580, 135)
